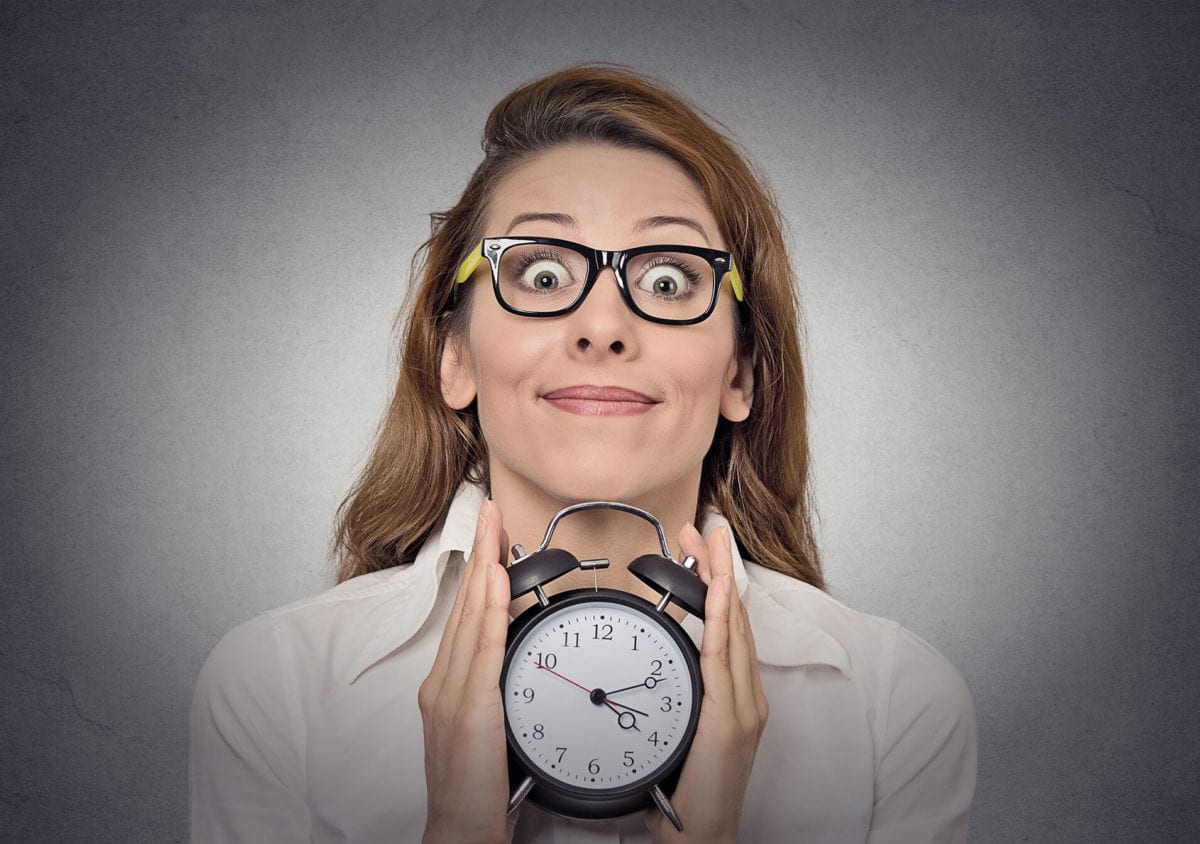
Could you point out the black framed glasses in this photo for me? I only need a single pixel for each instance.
(547, 277)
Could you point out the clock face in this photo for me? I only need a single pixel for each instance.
(599, 694)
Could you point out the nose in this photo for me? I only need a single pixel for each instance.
(603, 323)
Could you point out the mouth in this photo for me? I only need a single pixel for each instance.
(592, 400)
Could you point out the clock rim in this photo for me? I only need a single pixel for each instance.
(571, 801)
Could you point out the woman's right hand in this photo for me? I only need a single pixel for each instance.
(466, 763)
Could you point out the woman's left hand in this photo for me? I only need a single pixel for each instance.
(712, 785)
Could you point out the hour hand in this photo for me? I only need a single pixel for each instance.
(625, 720)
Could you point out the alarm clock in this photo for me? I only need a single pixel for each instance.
(601, 688)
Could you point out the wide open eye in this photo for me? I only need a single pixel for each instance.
(665, 281)
(545, 276)
(538, 277)
(669, 276)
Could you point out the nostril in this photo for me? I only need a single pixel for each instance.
(617, 346)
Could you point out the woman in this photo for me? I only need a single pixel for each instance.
(540, 379)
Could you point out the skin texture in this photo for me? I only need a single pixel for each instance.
(508, 364)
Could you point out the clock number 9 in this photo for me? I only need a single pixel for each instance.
(527, 694)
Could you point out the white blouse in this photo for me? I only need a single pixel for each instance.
(305, 727)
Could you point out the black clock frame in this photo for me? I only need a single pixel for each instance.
(569, 801)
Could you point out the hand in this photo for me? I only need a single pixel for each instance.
(466, 767)
(712, 785)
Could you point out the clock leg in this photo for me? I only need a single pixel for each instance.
(664, 806)
(521, 793)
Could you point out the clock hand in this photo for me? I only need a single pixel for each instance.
(612, 703)
(621, 718)
(568, 679)
(649, 683)
(592, 691)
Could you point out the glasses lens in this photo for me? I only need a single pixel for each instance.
(539, 278)
(670, 285)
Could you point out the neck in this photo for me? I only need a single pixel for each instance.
(589, 534)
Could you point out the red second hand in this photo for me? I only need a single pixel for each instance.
(589, 691)
(568, 679)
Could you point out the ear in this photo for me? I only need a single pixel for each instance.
(737, 396)
(457, 374)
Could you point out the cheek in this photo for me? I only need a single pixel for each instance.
(505, 363)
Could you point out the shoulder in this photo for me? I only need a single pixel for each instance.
(920, 711)
(905, 677)
(254, 646)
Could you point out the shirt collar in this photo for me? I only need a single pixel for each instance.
(398, 601)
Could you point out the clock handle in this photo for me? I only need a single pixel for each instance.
(522, 792)
(664, 806)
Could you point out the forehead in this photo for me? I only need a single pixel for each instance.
(602, 191)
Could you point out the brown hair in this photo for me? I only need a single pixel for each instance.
(756, 471)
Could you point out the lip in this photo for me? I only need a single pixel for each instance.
(596, 400)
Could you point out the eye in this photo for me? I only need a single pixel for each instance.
(669, 276)
(545, 275)
(664, 281)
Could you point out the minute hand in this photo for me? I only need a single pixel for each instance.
(627, 688)
(623, 706)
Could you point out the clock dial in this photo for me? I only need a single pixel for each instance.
(599, 695)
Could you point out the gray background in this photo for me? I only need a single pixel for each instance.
(208, 216)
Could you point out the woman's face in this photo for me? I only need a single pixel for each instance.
(554, 394)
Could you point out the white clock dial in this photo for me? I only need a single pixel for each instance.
(598, 696)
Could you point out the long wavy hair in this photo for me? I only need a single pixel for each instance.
(755, 473)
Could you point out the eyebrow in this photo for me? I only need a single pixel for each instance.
(645, 224)
(565, 220)
(657, 222)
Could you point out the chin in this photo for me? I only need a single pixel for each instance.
(630, 481)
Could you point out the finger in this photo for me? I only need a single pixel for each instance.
(714, 648)
(692, 543)
(486, 552)
(440, 662)
(720, 557)
(760, 697)
(741, 668)
(484, 677)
